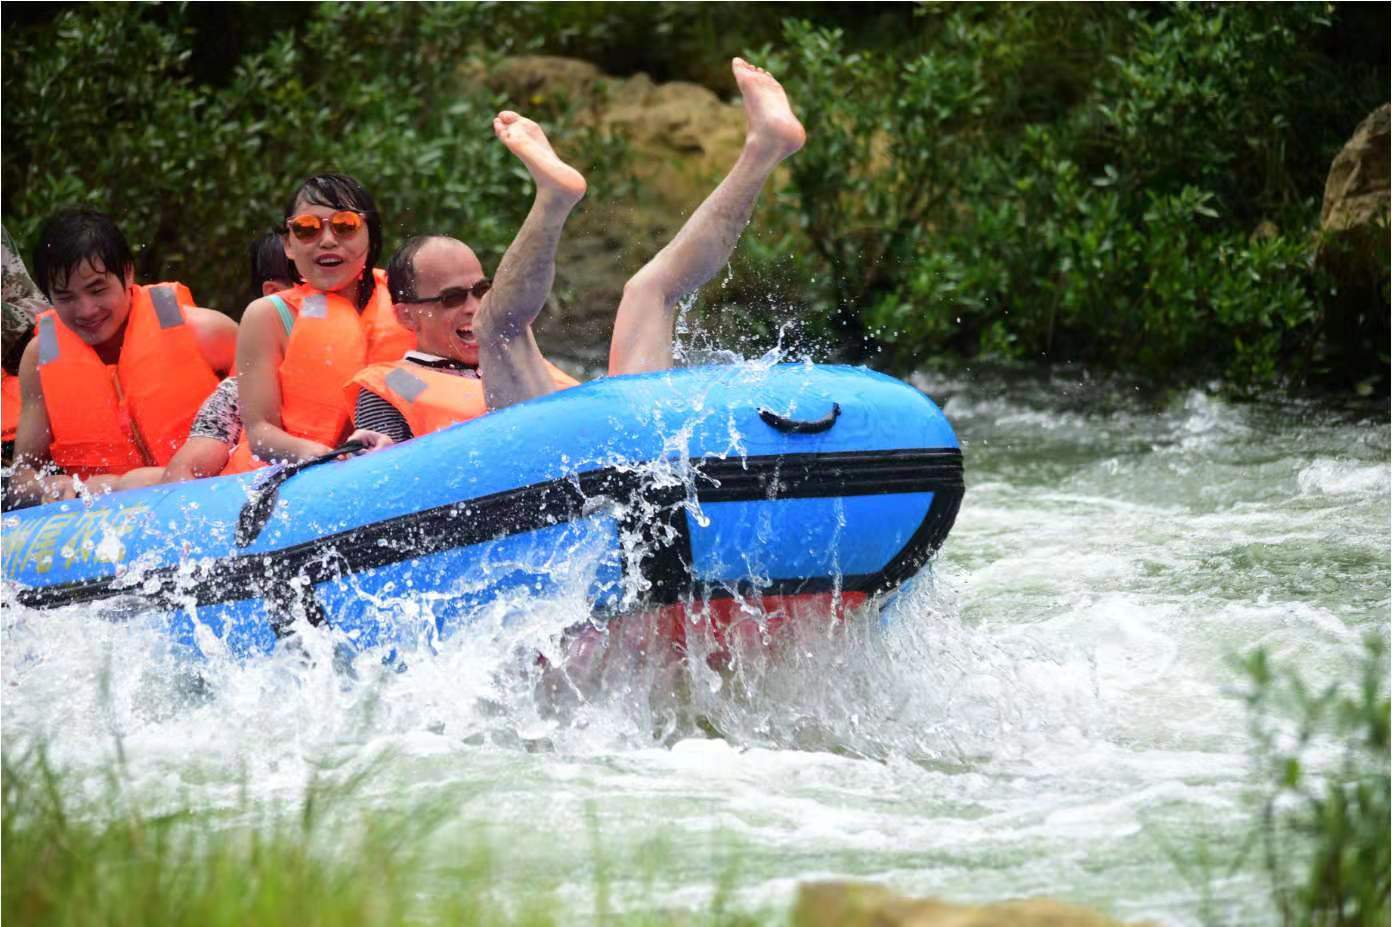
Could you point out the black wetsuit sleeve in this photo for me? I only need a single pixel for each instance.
(375, 413)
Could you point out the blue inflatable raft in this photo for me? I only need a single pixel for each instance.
(694, 484)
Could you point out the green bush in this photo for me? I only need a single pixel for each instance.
(1132, 187)
(101, 108)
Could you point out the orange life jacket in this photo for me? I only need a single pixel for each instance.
(137, 412)
(387, 338)
(9, 404)
(329, 342)
(428, 398)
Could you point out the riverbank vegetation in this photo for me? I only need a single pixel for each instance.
(78, 854)
(1132, 187)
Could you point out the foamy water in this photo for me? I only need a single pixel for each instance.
(1049, 710)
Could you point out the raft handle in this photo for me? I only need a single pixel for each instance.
(261, 501)
(793, 426)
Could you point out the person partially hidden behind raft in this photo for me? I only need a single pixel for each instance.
(297, 348)
(116, 371)
(476, 349)
(217, 429)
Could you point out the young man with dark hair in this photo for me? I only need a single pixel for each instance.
(116, 371)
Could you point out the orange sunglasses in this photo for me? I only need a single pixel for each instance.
(307, 227)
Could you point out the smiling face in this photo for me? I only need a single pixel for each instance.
(94, 303)
(327, 262)
(442, 264)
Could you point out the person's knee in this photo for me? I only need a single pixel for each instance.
(647, 288)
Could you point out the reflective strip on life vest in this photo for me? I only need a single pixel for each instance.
(166, 303)
(405, 384)
(48, 339)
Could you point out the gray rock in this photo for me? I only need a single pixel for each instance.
(22, 302)
(1352, 250)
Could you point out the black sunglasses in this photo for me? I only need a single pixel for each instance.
(455, 296)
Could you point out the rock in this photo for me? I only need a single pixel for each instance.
(1353, 252)
(1356, 192)
(680, 117)
(536, 80)
(22, 303)
(681, 139)
(865, 904)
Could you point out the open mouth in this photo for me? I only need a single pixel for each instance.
(329, 260)
(465, 335)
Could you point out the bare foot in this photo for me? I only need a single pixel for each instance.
(525, 139)
(770, 122)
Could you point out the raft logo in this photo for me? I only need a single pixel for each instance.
(69, 537)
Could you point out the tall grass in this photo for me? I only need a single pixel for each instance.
(1326, 790)
(75, 856)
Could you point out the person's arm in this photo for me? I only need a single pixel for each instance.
(260, 350)
(216, 335)
(138, 478)
(373, 413)
(199, 457)
(33, 437)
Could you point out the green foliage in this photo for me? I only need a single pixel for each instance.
(1135, 188)
(100, 108)
(678, 41)
(1325, 825)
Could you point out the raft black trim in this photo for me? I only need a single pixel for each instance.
(666, 563)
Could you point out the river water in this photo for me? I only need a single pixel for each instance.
(1050, 709)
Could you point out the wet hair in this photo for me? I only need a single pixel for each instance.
(268, 262)
(72, 236)
(401, 270)
(339, 191)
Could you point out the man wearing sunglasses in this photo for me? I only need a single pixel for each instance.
(115, 372)
(480, 351)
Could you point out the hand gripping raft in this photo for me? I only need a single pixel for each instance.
(703, 484)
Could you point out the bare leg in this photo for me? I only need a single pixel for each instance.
(647, 313)
(510, 363)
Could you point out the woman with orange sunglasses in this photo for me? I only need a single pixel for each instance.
(299, 347)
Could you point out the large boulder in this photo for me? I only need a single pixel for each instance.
(1356, 192)
(676, 119)
(680, 138)
(1353, 252)
(865, 904)
(542, 80)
